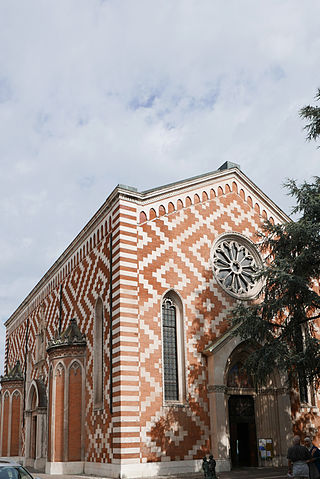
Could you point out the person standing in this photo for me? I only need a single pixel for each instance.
(314, 464)
(298, 459)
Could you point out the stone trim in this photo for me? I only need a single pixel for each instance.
(217, 388)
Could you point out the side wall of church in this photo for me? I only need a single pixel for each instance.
(84, 276)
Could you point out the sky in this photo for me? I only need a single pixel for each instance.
(143, 93)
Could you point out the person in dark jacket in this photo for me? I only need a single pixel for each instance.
(314, 464)
(298, 459)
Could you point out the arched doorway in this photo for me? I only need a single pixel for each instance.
(242, 422)
(231, 392)
(36, 420)
(243, 439)
(33, 428)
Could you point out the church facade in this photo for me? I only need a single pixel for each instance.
(121, 362)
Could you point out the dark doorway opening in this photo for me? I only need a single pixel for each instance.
(33, 451)
(243, 439)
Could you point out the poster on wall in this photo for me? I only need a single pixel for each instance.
(266, 448)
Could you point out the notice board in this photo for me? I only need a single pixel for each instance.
(266, 448)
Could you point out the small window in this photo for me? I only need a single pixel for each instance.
(303, 390)
(307, 392)
(173, 349)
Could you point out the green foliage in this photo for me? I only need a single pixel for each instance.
(312, 115)
(282, 320)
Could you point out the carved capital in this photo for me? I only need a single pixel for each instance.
(217, 388)
(274, 391)
(282, 391)
(42, 410)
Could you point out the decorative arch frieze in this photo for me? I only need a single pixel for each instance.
(200, 195)
(59, 369)
(16, 393)
(75, 367)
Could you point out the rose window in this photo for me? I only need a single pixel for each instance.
(235, 264)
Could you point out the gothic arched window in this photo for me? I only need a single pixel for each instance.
(98, 356)
(173, 348)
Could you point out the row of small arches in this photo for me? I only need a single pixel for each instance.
(14, 394)
(61, 368)
(205, 196)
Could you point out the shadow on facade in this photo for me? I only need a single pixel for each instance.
(224, 413)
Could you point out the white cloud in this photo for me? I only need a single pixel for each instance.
(93, 94)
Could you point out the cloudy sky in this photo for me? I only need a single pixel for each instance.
(144, 92)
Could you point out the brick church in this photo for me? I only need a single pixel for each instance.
(121, 363)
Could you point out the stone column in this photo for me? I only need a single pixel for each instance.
(27, 434)
(219, 426)
(41, 449)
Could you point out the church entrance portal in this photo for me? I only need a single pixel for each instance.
(36, 419)
(240, 412)
(33, 441)
(243, 441)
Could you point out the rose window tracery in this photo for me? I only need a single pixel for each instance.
(235, 264)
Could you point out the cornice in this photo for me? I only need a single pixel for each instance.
(183, 186)
(264, 198)
(217, 388)
(11, 383)
(69, 351)
(220, 342)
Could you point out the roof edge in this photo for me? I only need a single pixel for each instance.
(132, 194)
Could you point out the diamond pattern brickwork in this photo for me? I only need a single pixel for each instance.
(174, 253)
(168, 250)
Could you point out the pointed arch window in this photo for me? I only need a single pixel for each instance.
(98, 356)
(173, 349)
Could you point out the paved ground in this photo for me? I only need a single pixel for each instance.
(245, 473)
(256, 473)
